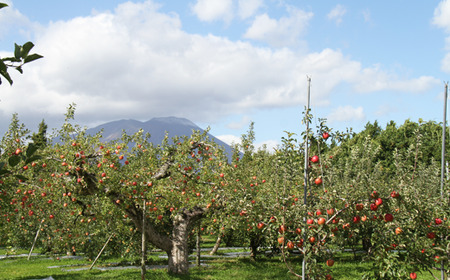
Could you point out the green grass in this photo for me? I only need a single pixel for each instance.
(236, 268)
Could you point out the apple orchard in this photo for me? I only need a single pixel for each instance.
(378, 189)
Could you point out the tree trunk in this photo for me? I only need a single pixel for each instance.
(176, 245)
(217, 245)
(178, 256)
(254, 244)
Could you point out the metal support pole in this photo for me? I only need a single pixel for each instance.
(305, 187)
(444, 128)
(144, 243)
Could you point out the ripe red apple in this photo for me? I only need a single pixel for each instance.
(395, 194)
(378, 201)
(325, 135)
(373, 207)
(388, 217)
(356, 219)
(290, 245)
(315, 159)
(321, 221)
(437, 221)
(318, 181)
(330, 211)
(413, 275)
(359, 206)
(298, 230)
(260, 225)
(431, 235)
(310, 221)
(330, 262)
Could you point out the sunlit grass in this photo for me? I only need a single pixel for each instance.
(218, 268)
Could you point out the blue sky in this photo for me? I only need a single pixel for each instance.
(225, 63)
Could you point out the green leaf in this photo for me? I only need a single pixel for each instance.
(5, 74)
(32, 57)
(31, 149)
(14, 160)
(21, 177)
(3, 5)
(2, 164)
(3, 66)
(33, 158)
(17, 51)
(3, 172)
(12, 59)
(19, 68)
(26, 49)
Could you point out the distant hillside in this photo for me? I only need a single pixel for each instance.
(157, 127)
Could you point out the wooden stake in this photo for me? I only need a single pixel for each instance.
(101, 251)
(35, 239)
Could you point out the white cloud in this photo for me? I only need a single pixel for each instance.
(442, 15)
(283, 32)
(136, 62)
(212, 10)
(441, 19)
(346, 113)
(247, 8)
(337, 13)
(229, 139)
(245, 121)
(268, 145)
(12, 19)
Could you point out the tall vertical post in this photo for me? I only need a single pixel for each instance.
(444, 128)
(144, 243)
(305, 187)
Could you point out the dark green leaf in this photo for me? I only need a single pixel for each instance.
(3, 5)
(26, 49)
(3, 66)
(32, 57)
(14, 160)
(21, 177)
(19, 68)
(17, 51)
(3, 172)
(31, 149)
(6, 75)
(2, 164)
(33, 158)
(12, 59)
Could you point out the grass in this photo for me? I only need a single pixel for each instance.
(222, 268)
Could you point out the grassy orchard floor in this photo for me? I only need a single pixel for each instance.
(217, 268)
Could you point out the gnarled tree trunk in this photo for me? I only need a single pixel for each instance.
(179, 253)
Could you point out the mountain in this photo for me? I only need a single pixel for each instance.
(157, 127)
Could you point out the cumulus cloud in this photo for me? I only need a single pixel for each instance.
(337, 13)
(229, 139)
(346, 113)
(441, 16)
(441, 19)
(247, 8)
(12, 19)
(212, 10)
(241, 124)
(283, 32)
(137, 62)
